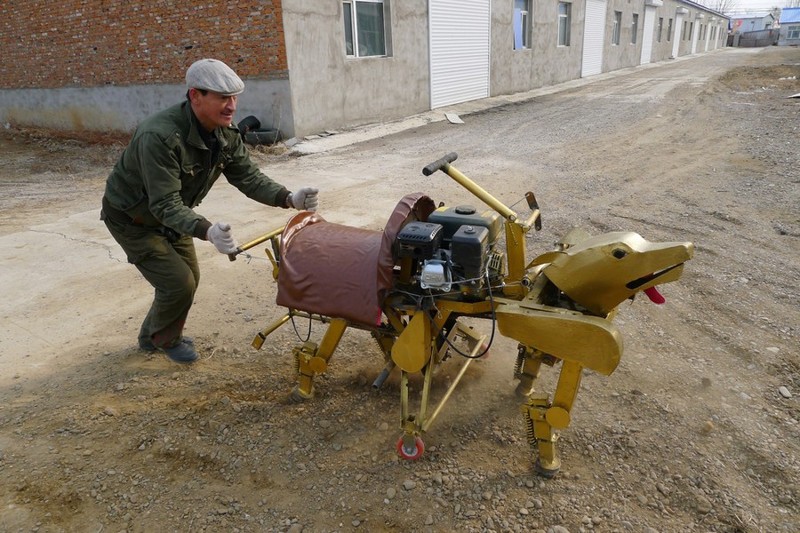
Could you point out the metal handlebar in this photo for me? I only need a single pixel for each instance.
(444, 165)
(436, 165)
(255, 242)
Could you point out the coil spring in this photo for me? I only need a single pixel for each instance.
(520, 361)
(530, 430)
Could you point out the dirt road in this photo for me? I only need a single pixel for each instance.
(697, 430)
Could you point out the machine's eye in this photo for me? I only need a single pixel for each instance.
(619, 253)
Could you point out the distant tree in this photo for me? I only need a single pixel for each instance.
(792, 3)
(723, 6)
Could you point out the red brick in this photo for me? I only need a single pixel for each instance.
(86, 43)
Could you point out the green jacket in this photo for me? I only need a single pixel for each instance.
(167, 170)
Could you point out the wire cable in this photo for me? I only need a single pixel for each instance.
(491, 337)
(294, 326)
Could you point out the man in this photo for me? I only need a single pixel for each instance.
(172, 161)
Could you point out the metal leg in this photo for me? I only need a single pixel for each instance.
(261, 336)
(410, 445)
(312, 360)
(543, 418)
(406, 420)
(529, 362)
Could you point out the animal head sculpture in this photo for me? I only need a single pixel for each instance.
(601, 272)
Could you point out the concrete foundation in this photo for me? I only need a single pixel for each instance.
(120, 109)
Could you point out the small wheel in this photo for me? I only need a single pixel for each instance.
(413, 453)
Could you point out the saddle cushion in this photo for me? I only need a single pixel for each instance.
(341, 271)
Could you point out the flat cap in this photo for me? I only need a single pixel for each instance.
(214, 75)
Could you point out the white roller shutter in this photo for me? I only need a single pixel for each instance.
(459, 48)
(696, 31)
(647, 34)
(594, 29)
(676, 37)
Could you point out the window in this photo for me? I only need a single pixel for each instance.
(364, 29)
(634, 27)
(669, 30)
(793, 32)
(615, 30)
(691, 29)
(522, 24)
(683, 34)
(564, 21)
(660, 28)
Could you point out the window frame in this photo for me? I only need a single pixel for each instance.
(660, 29)
(352, 32)
(793, 30)
(669, 31)
(526, 22)
(634, 27)
(616, 29)
(564, 18)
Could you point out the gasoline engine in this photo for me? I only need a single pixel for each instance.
(454, 251)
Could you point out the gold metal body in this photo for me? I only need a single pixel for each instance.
(559, 308)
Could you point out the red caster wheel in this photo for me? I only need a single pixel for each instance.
(414, 452)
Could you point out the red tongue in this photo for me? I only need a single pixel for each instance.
(655, 296)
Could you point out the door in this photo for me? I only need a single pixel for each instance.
(459, 50)
(695, 34)
(647, 34)
(676, 37)
(594, 29)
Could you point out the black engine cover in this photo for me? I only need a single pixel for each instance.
(469, 250)
(419, 240)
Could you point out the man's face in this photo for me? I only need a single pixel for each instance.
(212, 109)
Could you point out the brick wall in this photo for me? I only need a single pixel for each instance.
(90, 43)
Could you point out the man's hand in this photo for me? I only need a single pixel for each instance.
(220, 236)
(304, 199)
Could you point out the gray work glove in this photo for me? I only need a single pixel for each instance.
(220, 236)
(304, 199)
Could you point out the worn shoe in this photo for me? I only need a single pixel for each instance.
(148, 346)
(183, 352)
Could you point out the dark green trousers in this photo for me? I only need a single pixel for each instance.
(171, 268)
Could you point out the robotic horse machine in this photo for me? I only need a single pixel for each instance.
(409, 285)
